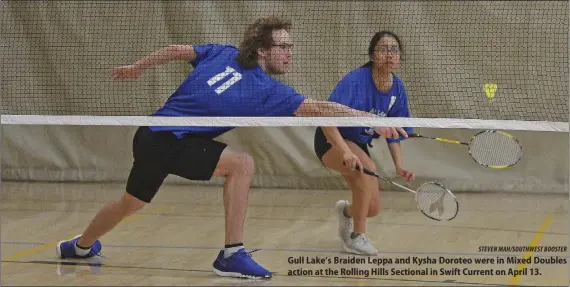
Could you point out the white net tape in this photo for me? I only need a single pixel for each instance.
(284, 121)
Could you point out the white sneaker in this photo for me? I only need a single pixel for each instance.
(345, 224)
(360, 245)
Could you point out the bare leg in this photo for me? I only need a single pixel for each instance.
(373, 208)
(364, 188)
(108, 217)
(238, 169)
(365, 200)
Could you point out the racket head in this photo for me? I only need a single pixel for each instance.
(437, 202)
(495, 149)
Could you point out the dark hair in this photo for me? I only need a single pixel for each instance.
(376, 38)
(259, 35)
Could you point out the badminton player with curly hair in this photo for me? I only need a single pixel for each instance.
(226, 81)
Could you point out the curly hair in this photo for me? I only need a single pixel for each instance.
(259, 35)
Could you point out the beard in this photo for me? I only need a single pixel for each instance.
(276, 70)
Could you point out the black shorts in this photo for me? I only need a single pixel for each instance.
(158, 154)
(321, 144)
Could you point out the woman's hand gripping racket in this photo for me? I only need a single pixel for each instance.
(491, 148)
(433, 199)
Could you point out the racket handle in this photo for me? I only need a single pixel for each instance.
(366, 171)
(417, 136)
(369, 172)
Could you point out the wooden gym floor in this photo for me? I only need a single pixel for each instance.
(174, 240)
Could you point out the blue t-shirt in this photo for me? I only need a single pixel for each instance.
(220, 87)
(358, 91)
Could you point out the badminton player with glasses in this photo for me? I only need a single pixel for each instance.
(373, 88)
(226, 81)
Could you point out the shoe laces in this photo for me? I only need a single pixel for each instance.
(97, 254)
(364, 239)
(248, 253)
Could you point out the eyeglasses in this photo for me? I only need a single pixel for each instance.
(284, 47)
(395, 50)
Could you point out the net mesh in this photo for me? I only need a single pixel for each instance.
(499, 65)
(462, 59)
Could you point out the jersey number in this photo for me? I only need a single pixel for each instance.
(234, 79)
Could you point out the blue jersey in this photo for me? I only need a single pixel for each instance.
(358, 91)
(220, 87)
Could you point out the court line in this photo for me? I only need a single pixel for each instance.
(53, 244)
(372, 223)
(281, 274)
(534, 242)
(310, 206)
(21, 243)
(276, 274)
(450, 226)
(482, 254)
(446, 281)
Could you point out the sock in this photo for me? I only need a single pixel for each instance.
(345, 211)
(354, 235)
(231, 249)
(81, 251)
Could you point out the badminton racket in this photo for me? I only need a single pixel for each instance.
(490, 148)
(433, 199)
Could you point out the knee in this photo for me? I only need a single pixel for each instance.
(130, 204)
(235, 164)
(243, 164)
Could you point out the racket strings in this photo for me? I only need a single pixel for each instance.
(495, 149)
(436, 202)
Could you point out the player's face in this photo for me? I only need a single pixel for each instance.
(387, 53)
(278, 57)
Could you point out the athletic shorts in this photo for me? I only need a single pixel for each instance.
(321, 144)
(158, 154)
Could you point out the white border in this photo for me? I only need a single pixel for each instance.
(284, 121)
